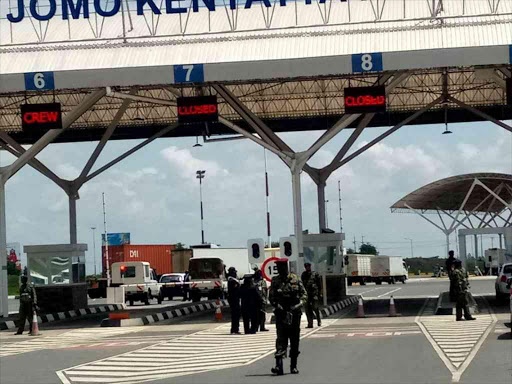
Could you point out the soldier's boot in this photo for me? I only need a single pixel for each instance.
(293, 365)
(278, 369)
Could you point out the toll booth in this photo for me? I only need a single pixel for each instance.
(57, 272)
(325, 253)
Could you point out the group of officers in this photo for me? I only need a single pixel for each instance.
(287, 294)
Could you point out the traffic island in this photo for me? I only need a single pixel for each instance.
(10, 324)
(447, 307)
(176, 312)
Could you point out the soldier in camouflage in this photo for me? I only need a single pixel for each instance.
(28, 304)
(261, 286)
(461, 286)
(287, 296)
(313, 285)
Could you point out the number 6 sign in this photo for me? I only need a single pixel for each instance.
(269, 268)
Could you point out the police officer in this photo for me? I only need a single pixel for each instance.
(250, 299)
(234, 300)
(449, 262)
(461, 289)
(28, 304)
(261, 286)
(186, 286)
(313, 285)
(287, 296)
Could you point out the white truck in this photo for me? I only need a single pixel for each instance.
(389, 269)
(138, 279)
(358, 268)
(495, 258)
(208, 268)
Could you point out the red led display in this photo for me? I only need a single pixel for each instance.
(41, 116)
(365, 100)
(197, 109)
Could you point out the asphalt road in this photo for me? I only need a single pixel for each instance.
(414, 347)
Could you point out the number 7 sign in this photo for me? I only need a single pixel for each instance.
(189, 73)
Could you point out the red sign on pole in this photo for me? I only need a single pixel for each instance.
(269, 268)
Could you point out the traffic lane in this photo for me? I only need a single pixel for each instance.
(397, 359)
(403, 307)
(423, 288)
(492, 364)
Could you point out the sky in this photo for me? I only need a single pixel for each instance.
(154, 194)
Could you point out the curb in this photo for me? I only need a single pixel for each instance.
(51, 317)
(336, 307)
(330, 309)
(162, 316)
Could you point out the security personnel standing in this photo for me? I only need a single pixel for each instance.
(28, 304)
(287, 296)
(449, 262)
(261, 286)
(461, 289)
(234, 300)
(313, 285)
(250, 305)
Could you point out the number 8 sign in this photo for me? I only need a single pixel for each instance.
(269, 268)
(367, 62)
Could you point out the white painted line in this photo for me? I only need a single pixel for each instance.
(387, 293)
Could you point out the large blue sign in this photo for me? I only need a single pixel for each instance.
(75, 8)
(116, 238)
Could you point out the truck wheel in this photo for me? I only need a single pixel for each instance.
(160, 298)
(131, 303)
(349, 282)
(196, 298)
(146, 298)
(170, 298)
(362, 282)
(403, 279)
(378, 282)
(392, 280)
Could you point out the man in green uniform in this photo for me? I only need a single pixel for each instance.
(28, 304)
(287, 296)
(313, 285)
(261, 286)
(461, 286)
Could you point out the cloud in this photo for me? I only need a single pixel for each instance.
(187, 165)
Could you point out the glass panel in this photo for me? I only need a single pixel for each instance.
(206, 268)
(326, 255)
(59, 270)
(78, 269)
(146, 270)
(38, 270)
(309, 255)
(130, 272)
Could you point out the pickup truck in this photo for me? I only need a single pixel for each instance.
(139, 280)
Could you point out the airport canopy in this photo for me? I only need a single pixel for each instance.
(450, 194)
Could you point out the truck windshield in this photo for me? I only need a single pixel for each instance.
(206, 268)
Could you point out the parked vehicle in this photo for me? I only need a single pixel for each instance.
(358, 268)
(509, 286)
(139, 280)
(389, 269)
(502, 292)
(171, 285)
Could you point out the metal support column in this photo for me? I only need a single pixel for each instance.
(322, 223)
(4, 305)
(476, 246)
(72, 220)
(297, 208)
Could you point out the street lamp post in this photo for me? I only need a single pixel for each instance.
(326, 216)
(200, 175)
(412, 249)
(94, 249)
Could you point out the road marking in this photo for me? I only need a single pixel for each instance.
(387, 293)
(456, 343)
(203, 351)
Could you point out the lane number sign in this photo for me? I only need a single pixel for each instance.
(39, 81)
(367, 62)
(269, 268)
(190, 73)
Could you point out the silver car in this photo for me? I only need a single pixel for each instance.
(502, 292)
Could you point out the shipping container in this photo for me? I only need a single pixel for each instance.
(158, 256)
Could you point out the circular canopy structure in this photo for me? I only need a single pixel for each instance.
(450, 194)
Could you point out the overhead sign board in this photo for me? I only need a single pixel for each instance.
(509, 92)
(116, 238)
(197, 109)
(365, 99)
(41, 116)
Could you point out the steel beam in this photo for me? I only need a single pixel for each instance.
(131, 151)
(322, 222)
(4, 304)
(480, 113)
(52, 134)
(389, 132)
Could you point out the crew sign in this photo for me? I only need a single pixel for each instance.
(77, 8)
(41, 116)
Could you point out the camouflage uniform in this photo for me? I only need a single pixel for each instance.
(286, 295)
(313, 285)
(461, 286)
(28, 304)
(261, 286)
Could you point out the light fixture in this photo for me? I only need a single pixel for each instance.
(446, 130)
(138, 117)
(197, 143)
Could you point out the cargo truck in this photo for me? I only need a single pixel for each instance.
(358, 268)
(208, 268)
(389, 269)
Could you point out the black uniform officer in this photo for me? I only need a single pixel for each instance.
(261, 286)
(250, 304)
(28, 304)
(287, 296)
(234, 300)
(449, 262)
